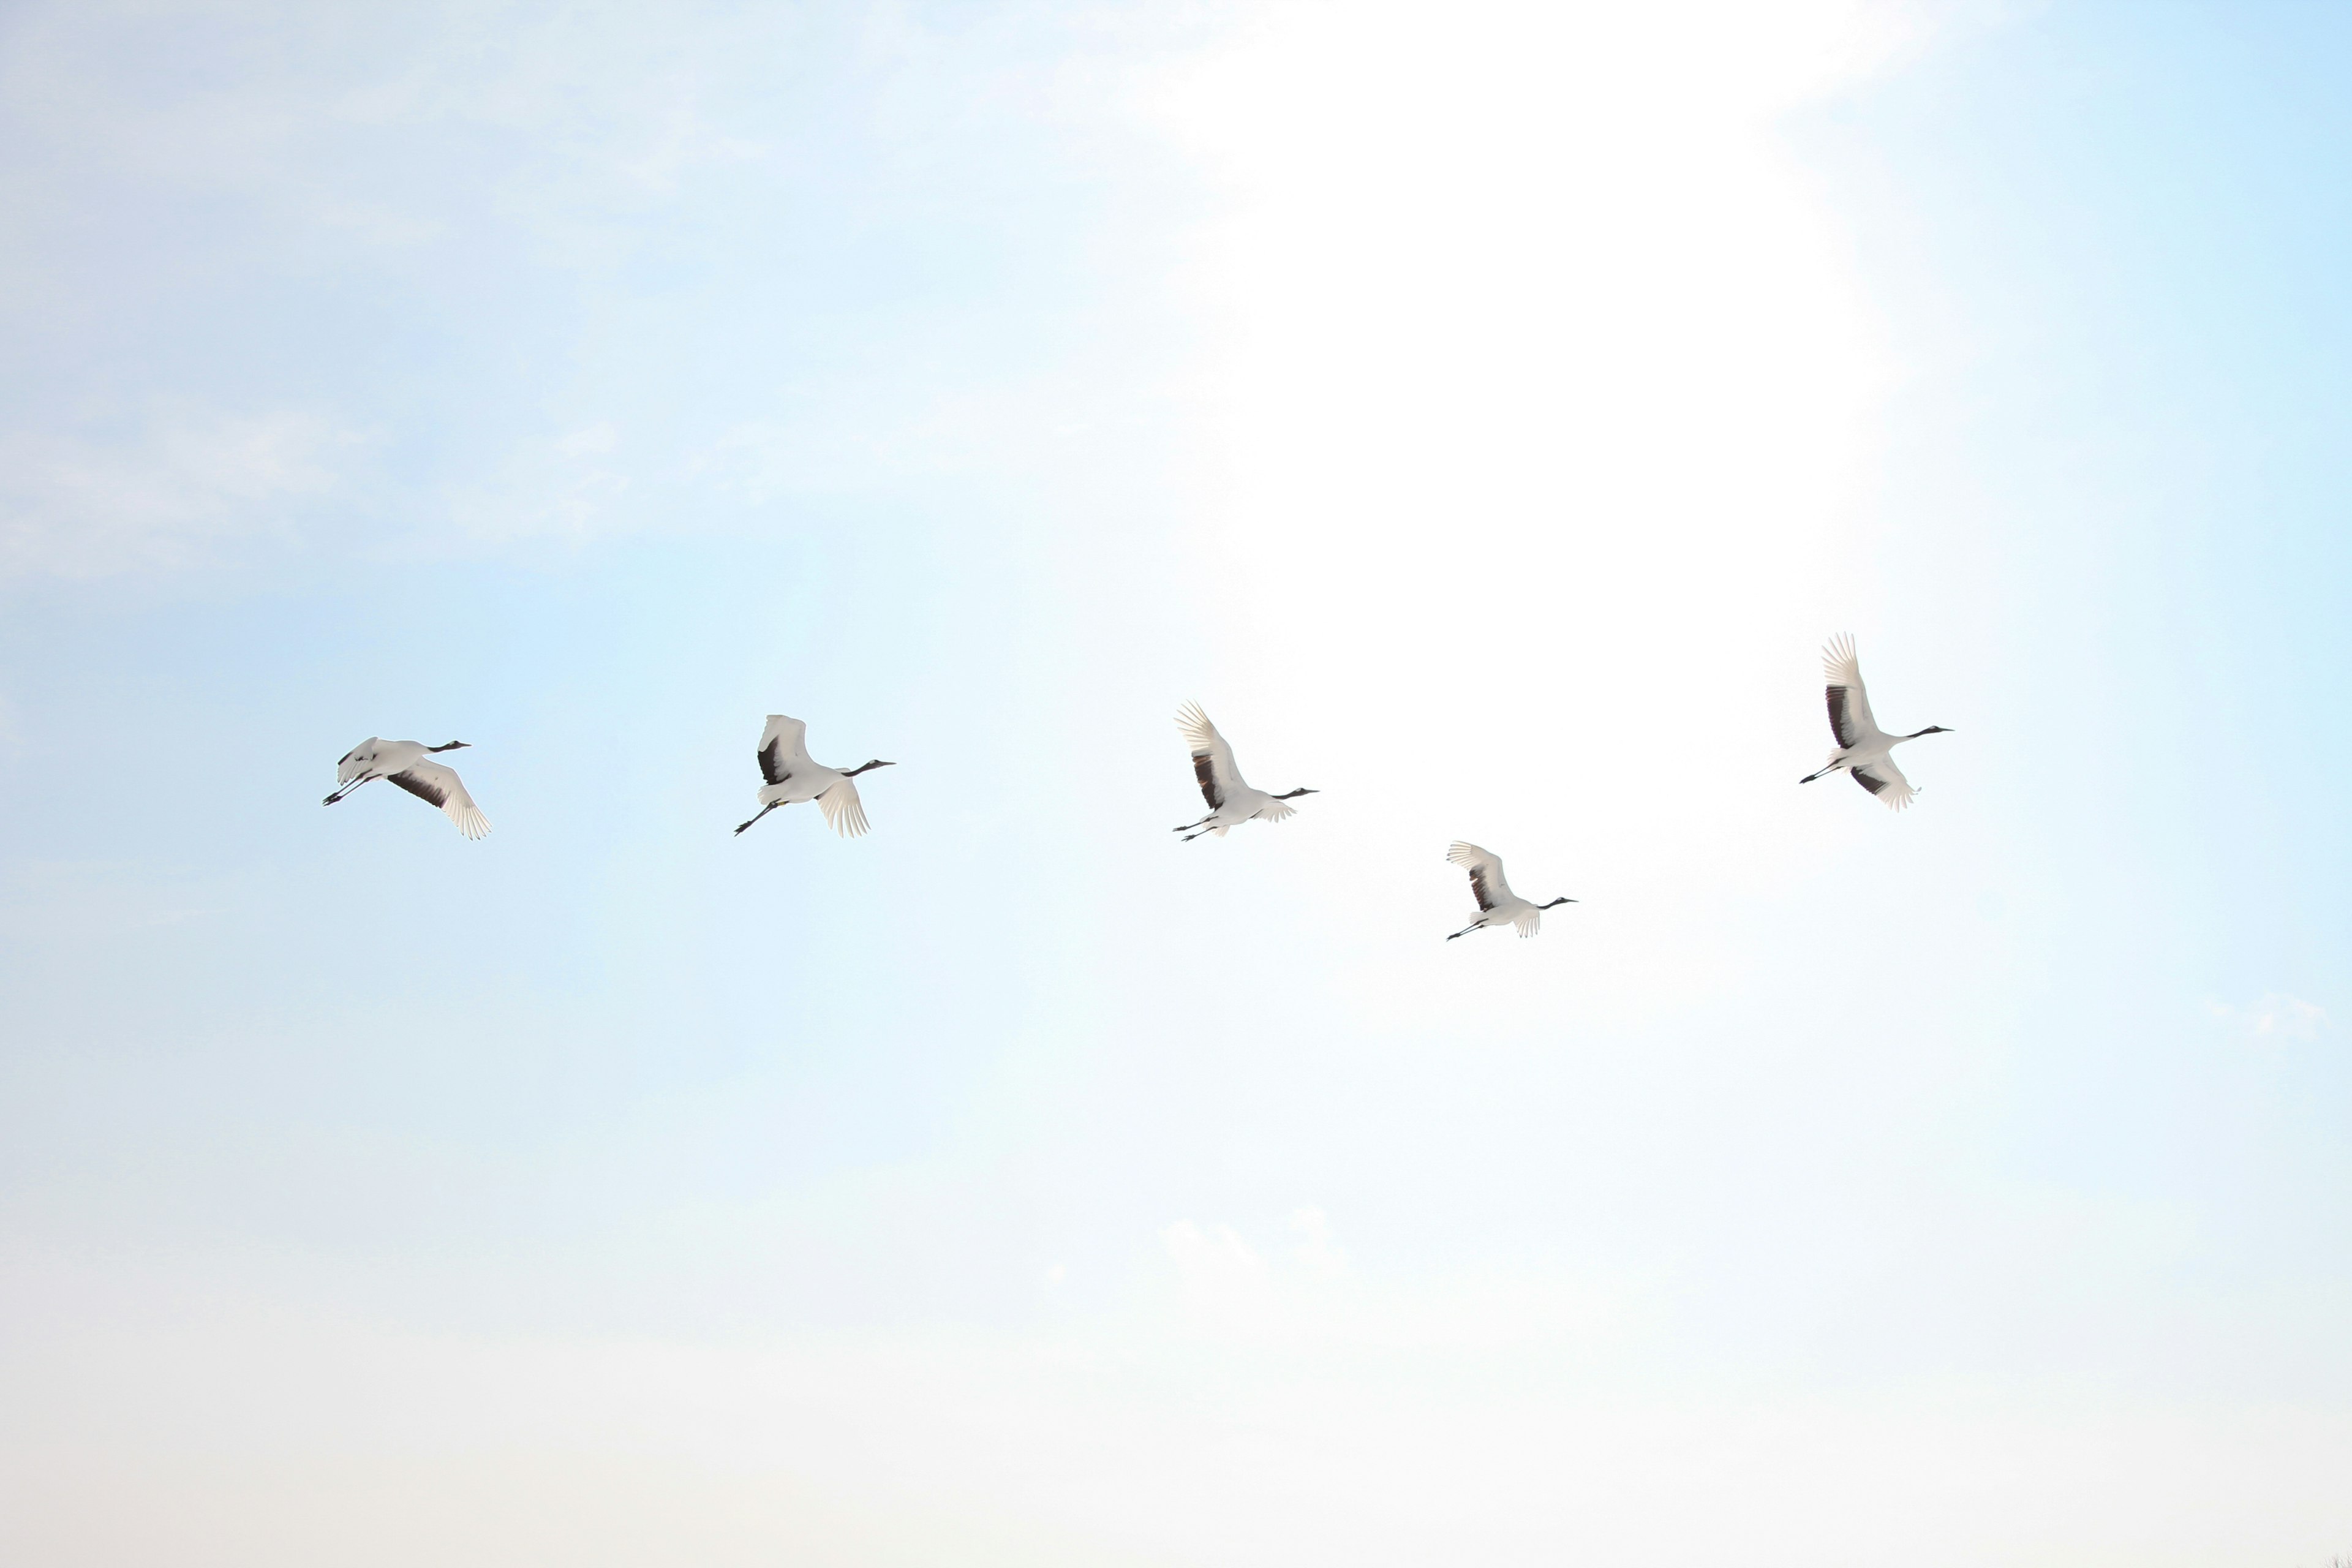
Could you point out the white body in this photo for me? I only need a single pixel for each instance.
(1498, 905)
(409, 765)
(1231, 799)
(792, 778)
(1863, 749)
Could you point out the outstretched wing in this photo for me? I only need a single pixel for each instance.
(844, 811)
(1529, 922)
(782, 748)
(1485, 868)
(437, 786)
(1884, 780)
(1849, 716)
(1276, 811)
(355, 760)
(1212, 759)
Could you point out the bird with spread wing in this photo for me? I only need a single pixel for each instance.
(406, 763)
(1498, 905)
(1231, 801)
(791, 778)
(1863, 749)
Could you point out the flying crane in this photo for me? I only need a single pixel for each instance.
(1863, 749)
(1498, 905)
(404, 763)
(1231, 801)
(793, 778)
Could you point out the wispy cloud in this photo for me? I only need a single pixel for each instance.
(1318, 1250)
(569, 486)
(167, 492)
(1294, 1290)
(2273, 1017)
(750, 254)
(1225, 1283)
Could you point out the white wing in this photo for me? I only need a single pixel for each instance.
(437, 786)
(784, 748)
(1850, 718)
(1884, 780)
(1212, 759)
(1529, 922)
(1485, 869)
(355, 760)
(1276, 811)
(844, 811)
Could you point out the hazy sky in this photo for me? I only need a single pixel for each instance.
(1486, 411)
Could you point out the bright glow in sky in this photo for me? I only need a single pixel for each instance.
(1485, 411)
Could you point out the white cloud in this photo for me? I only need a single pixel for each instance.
(167, 492)
(1316, 1252)
(266, 1429)
(1304, 1293)
(1224, 1283)
(568, 486)
(720, 235)
(2273, 1017)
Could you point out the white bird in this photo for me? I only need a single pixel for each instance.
(1862, 748)
(1231, 801)
(793, 778)
(1498, 905)
(403, 762)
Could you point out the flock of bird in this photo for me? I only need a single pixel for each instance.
(790, 776)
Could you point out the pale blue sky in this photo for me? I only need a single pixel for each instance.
(1487, 413)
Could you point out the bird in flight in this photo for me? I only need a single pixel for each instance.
(1231, 801)
(1498, 905)
(1863, 749)
(405, 764)
(792, 778)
